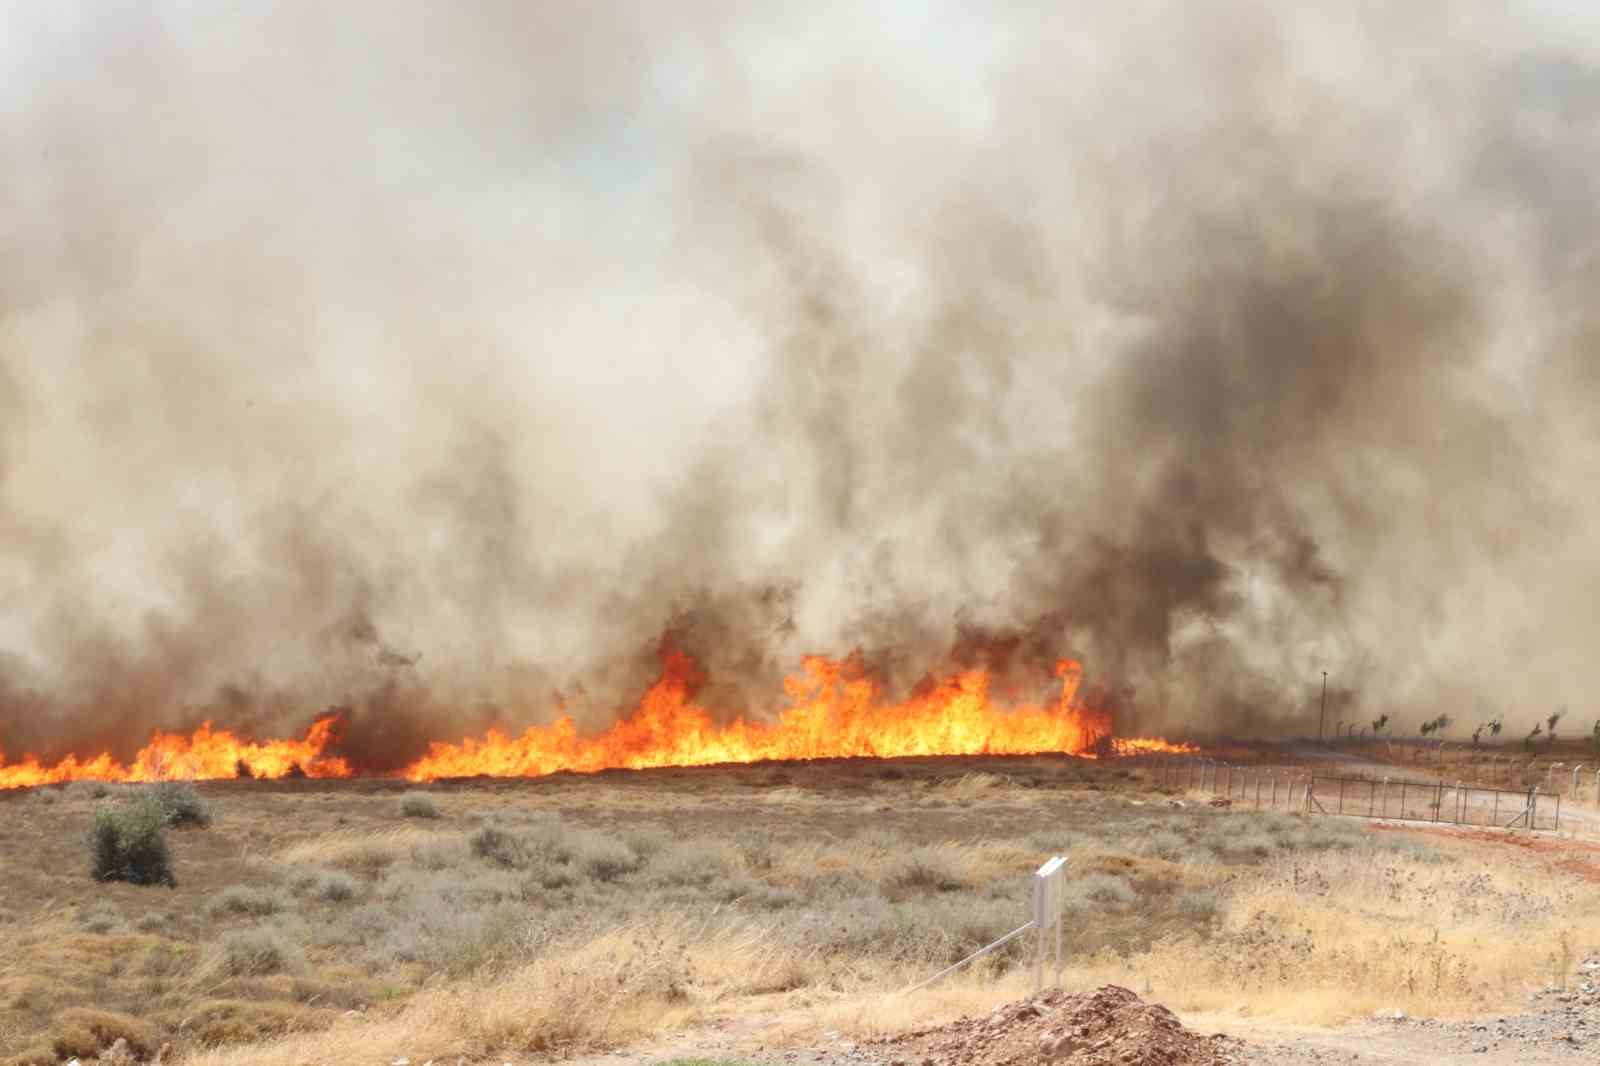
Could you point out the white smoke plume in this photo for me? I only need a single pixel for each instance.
(431, 360)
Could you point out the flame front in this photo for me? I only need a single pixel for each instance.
(834, 711)
(205, 754)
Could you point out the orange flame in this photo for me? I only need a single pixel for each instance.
(1126, 746)
(834, 711)
(206, 753)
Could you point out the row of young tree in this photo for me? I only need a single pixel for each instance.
(1432, 726)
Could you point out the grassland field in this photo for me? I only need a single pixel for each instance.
(366, 921)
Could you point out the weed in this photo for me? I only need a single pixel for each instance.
(252, 953)
(418, 805)
(100, 918)
(246, 899)
(181, 803)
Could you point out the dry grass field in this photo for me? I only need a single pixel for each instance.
(368, 921)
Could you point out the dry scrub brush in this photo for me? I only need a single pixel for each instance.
(528, 931)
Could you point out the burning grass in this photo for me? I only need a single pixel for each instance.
(538, 917)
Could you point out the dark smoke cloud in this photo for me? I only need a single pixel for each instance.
(441, 363)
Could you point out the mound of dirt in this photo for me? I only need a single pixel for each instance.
(1108, 1027)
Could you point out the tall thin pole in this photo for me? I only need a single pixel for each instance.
(1323, 714)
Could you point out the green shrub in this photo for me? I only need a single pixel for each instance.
(129, 843)
(418, 805)
(181, 803)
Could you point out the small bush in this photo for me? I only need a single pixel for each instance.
(646, 841)
(253, 953)
(498, 847)
(1197, 903)
(1098, 891)
(755, 848)
(180, 803)
(335, 886)
(1165, 844)
(82, 1033)
(689, 864)
(245, 899)
(604, 858)
(100, 918)
(548, 845)
(439, 854)
(129, 843)
(418, 805)
(926, 869)
(1247, 846)
(153, 922)
(166, 959)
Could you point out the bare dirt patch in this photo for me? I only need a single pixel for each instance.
(1110, 1026)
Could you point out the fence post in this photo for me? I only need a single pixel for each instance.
(1046, 910)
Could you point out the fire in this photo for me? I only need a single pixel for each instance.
(834, 711)
(1150, 746)
(207, 753)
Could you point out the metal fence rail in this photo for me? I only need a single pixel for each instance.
(1296, 789)
(1440, 801)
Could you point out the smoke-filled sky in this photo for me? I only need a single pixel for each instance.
(431, 359)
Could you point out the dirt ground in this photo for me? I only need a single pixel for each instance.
(767, 914)
(1553, 1028)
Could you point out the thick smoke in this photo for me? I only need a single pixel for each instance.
(440, 362)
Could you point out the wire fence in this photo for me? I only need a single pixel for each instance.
(1294, 789)
(1412, 801)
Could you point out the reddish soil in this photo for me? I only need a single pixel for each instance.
(1578, 857)
(1108, 1027)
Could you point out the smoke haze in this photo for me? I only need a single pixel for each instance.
(438, 362)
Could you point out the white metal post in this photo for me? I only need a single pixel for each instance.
(1047, 911)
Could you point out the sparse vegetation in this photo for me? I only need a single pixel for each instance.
(418, 805)
(253, 952)
(555, 915)
(250, 900)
